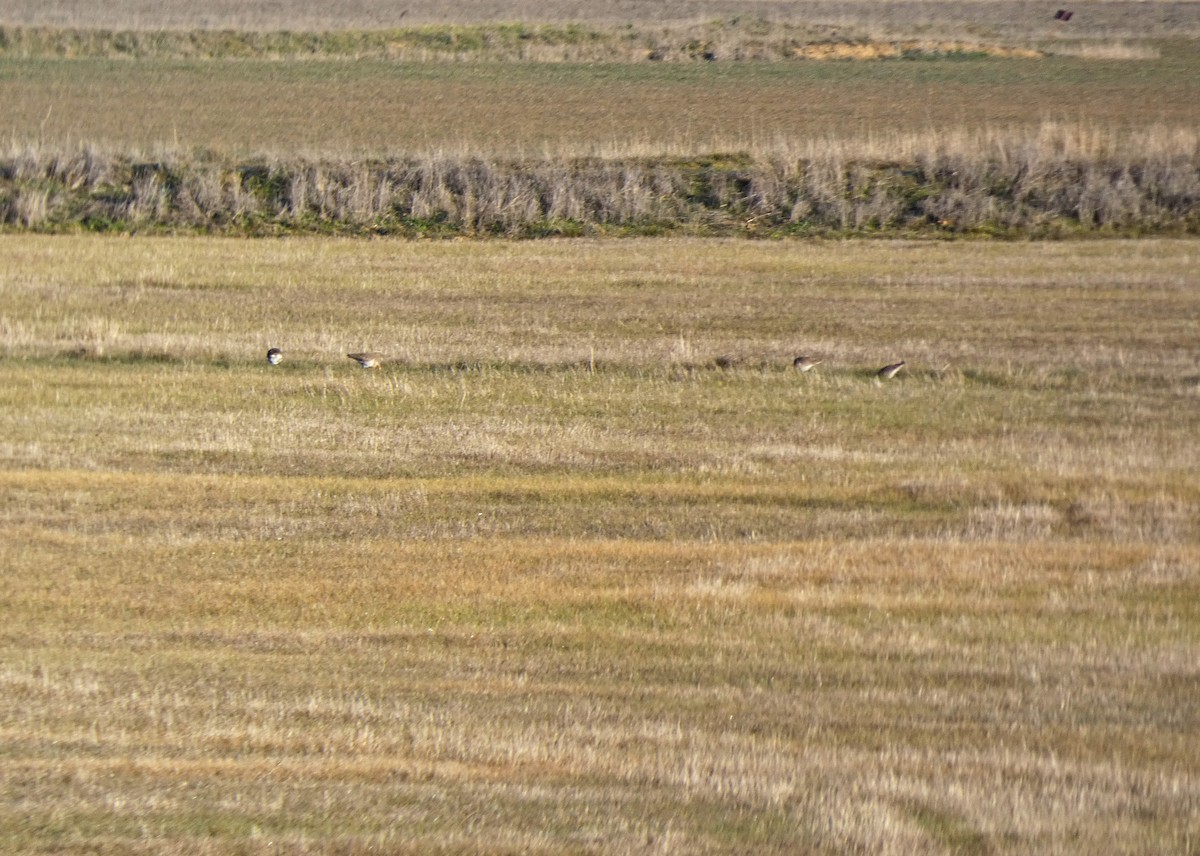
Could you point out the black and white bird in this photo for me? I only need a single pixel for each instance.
(367, 360)
(806, 364)
(889, 371)
(274, 356)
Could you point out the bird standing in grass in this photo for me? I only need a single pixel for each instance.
(367, 360)
(274, 356)
(806, 364)
(889, 371)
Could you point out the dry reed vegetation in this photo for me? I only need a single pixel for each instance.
(586, 567)
(1055, 180)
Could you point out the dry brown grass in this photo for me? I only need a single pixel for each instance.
(556, 582)
(494, 695)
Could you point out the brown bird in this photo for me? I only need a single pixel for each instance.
(274, 356)
(806, 364)
(367, 360)
(890, 371)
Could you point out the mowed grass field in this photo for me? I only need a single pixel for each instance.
(586, 566)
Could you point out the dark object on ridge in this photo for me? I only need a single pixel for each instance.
(1063, 15)
(274, 356)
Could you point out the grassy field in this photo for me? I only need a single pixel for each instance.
(586, 566)
(388, 80)
(376, 106)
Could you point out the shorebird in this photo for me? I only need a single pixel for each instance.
(274, 356)
(806, 364)
(368, 360)
(890, 371)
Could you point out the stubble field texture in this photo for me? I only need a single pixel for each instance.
(585, 565)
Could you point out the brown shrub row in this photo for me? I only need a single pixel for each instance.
(1021, 190)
